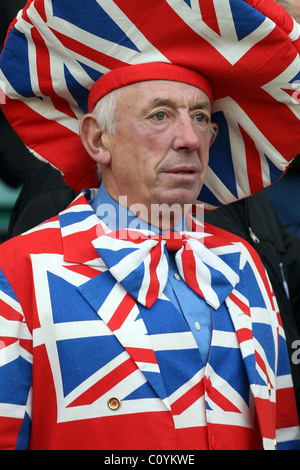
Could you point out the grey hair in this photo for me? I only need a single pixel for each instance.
(106, 117)
(106, 112)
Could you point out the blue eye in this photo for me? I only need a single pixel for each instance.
(160, 116)
(200, 117)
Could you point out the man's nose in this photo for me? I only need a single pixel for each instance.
(186, 136)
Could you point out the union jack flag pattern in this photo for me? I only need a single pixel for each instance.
(84, 365)
(249, 50)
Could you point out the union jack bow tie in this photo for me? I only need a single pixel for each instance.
(138, 260)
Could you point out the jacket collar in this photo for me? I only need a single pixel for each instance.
(79, 226)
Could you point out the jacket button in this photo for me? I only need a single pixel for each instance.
(114, 403)
(269, 389)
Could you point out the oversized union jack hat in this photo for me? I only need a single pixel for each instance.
(247, 49)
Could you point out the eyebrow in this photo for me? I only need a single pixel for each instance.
(172, 104)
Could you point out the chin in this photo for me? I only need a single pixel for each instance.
(181, 197)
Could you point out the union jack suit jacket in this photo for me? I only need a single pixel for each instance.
(86, 366)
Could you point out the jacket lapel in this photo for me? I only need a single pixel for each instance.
(255, 363)
(251, 325)
(119, 311)
(116, 308)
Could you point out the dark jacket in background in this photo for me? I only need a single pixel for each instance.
(255, 220)
(43, 196)
(16, 162)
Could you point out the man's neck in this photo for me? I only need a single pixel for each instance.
(116, 214)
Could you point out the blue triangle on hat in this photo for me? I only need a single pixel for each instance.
(243, 25)
(96, 18)
(221, 155)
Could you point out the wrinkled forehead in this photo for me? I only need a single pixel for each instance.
(163, 93)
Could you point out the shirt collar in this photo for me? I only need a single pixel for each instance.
(118, 217)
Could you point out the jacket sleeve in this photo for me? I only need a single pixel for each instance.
(273, 391)
(292, 264)
(15, 371)
(287, 422)
(287, 425)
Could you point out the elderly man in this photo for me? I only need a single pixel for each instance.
(141, 332)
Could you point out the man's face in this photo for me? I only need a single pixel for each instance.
(160, 151)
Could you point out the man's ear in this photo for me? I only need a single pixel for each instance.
(92, 139)
(214, 132)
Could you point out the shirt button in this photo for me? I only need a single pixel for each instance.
(197, 325)
(177, 276)
(114, 403)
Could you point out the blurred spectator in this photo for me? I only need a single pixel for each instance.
(285, 198)
(43, 196)
(16, 162)
(292, 7)
(295, 9)
(285, 4)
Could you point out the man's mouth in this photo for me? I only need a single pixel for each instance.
(183, 170)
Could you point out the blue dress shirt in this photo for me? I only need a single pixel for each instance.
(196, 312)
